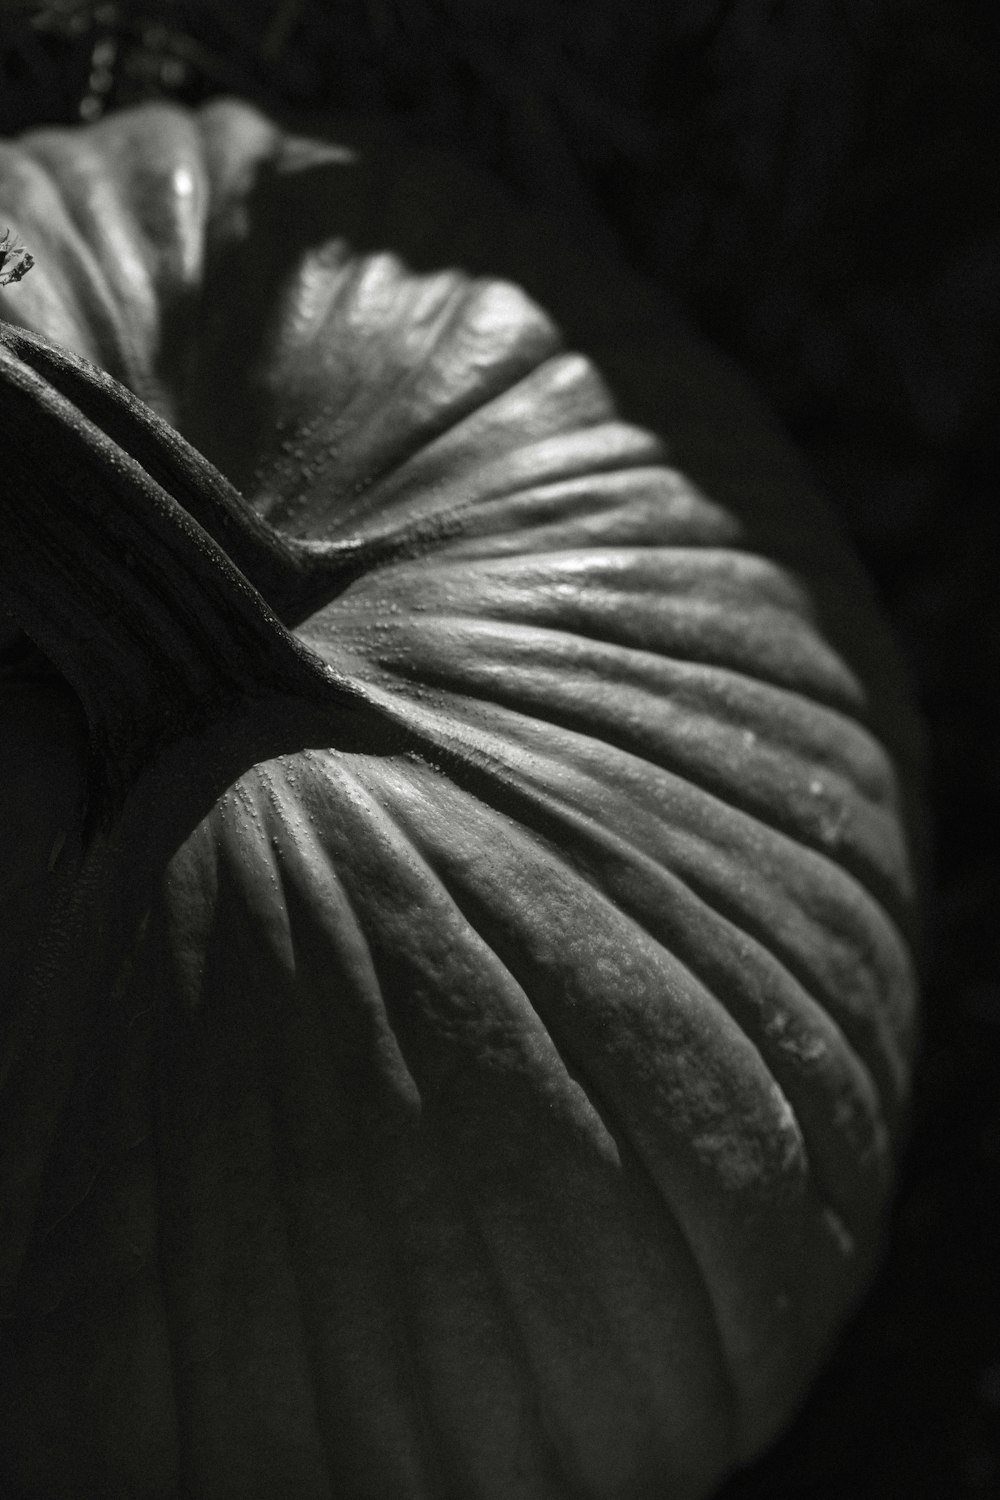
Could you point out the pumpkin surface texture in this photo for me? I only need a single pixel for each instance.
(457, 887)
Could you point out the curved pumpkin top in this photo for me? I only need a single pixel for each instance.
(508, 1094)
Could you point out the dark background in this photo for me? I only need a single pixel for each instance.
(819, 184)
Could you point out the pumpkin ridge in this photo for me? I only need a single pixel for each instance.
(405, 1292)
(526, 701)
(573, 1068)
(480, 764)
(837, 864)
(587, 453)
(771, 1060)
(575, 499)
(429, 1448)
(577, 1070)
(94, 209)
(668, 1192)
(456, 411)
(83, 278)
(617, 1129)
(763, 642)
(199, 1150)
(367, 499)
(855, 1027)
(577, 1073)
(361, 1148)
(444, 531)
(634, 857)
(554, 1460)
(381, 804)
(376, 610)
(573, 400)
(624, 852)
(90, 927)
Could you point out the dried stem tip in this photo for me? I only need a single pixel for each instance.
(15, 261)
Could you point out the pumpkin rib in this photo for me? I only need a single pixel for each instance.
(460, 525)
(455, 747)
(531, 351)
(886, 1079)
(363, 1149)
(765, 644)
(524, 699)
(403, 1292)
(295, 576)
(406, 375)
(279, 1194)
(367, 495)
(135, 164)
(683, 771)
(406, 1299)
(577, 1072)
(522, 349)
(888, 887)
(624, 852)
(367, 552)
(380, 806)
(478, 921)
(589, 453)
(376, 609)
(554, 1460)
(233, 1269)
(65, 288)
(117, 345)
(619, 847)
(445, 529)
(468, 750)
(575, 500)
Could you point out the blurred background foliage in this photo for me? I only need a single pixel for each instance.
(817, 182)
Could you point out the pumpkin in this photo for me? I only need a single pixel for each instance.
(460, 814)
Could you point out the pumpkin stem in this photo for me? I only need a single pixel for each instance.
(125, 556)
(295, 575)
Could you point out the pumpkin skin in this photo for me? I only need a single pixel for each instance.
(488, 1084)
